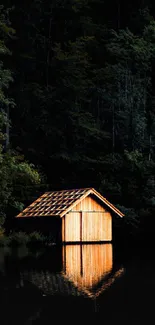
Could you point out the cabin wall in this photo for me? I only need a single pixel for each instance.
(88, 222)
(71, 227)
(87, 227)
(89, 204)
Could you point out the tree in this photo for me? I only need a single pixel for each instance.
(15, 173)
(84, 87)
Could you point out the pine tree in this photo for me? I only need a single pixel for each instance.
(15, 172)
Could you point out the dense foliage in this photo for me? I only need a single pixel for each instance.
(84, 93)
(15, 172)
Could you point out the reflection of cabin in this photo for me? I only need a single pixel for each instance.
(87, 265)
(87, 270)
(90, 268)
(79, 215)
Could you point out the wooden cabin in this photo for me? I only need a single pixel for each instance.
(78, 215)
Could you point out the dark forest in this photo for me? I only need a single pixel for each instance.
(77, 103)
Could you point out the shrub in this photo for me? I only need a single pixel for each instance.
(4, 241)
(36, 238)
(18, 238)
(1, 232)
(22, 239)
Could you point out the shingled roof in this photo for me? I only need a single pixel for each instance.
(58, 203)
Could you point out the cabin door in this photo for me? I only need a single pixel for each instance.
(86, 227)
(96, 226)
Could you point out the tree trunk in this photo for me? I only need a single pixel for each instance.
(113, 129)
(48, 53)
(150, 146)
(7, 128)
(98, 112)
(118, 14)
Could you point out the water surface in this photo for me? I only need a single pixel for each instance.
(96, 279)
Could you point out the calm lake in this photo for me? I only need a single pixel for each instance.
(115, 285)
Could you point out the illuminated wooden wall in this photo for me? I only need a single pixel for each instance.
(89, 222)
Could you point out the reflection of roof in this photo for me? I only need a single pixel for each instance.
(50, 283)
(107, 283)
(58, 203)
(59, 284)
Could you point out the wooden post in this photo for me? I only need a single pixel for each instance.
(64, 228)
(64, 266)
(81, 261)
(80, 226)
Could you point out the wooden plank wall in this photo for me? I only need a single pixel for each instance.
(89, 204)
(71, 227)
(96, 223)
(96, 226)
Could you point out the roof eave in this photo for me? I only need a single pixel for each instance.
(37, 216)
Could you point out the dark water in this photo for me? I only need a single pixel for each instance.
(76, 282)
